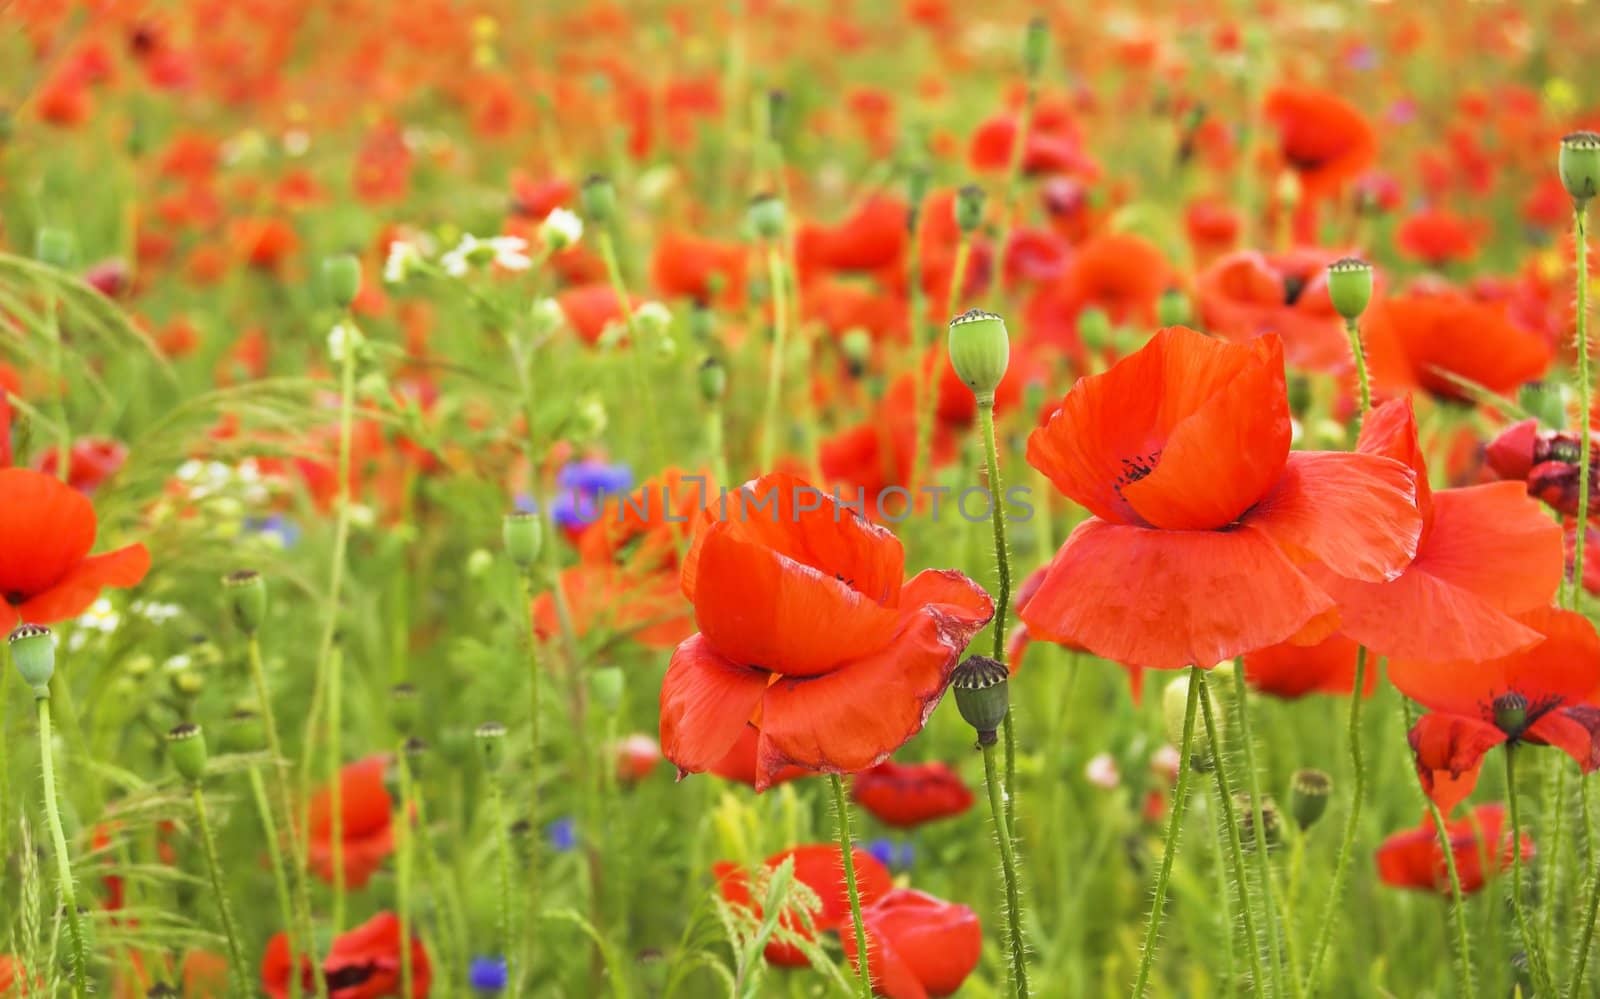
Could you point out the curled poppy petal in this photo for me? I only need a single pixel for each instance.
(1449, 752)
(706, 705)
(917, 945)
(1575, 731)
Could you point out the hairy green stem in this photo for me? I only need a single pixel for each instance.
(58, 839)
(1352, 820)
(1169, 851)
(847, 857)
(1360, 355)
(780, 327)
(502, 839)
(1008, 866)
(403, 833)
(1219, 769)
(1580, 227)
(241, 968)
(336, 784)
(1002, 556)
(1543, 984)
(280, 885)
(1263, 870)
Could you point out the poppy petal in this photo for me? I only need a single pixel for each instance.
(46, 528)
(1496, 543)
(1355, 513)
(73, 593)
(1575, 731)
(706, 704)
(1562, 666)
(1449, 753)
(1170, 599)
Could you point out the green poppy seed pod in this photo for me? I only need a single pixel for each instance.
(341, 276)
(856, 346)
(187, 683)
(969, 208)
(980, 350)
(766, 216)
(416, 754)
(1271, 821)
(982, 694)
(1174, 706)
(1034, 46)
(598, 199)
(1511, 713)
(1094, 328)
(1579, 162)
(186, 745)
(1308, 796)
(523, 535)
(55, 247)
(1172, 309)
(713, 376)
(491, 739)
(405, 708)
(244, 732)
(606, 684)
(702, 323)
(33, 649)
(246, 593)
(1350, 286)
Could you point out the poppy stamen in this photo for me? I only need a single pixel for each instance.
(1293, 287)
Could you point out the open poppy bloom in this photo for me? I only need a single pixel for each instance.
(1181, 453)
(1438, 237)
(1413, 859)
(1543, 695)
(1248, 293)
(1322, 137)
(366, 810)
(808, 633)
(905, 795)
(820, 867)
(917, 945)
(1119, 273)
(1486, 552)
(1421, 338)
(1017, 645)
(46, 571)
(739, 765)
(364, 963)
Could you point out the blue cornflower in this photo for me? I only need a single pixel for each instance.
(488, 975)
(562, 833)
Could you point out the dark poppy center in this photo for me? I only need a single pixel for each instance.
(350, 977)
(1293, 287)
(1303, 163)
(15, 597)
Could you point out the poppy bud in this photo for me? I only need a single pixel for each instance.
(599, 199)
(1172, 309)
(416, 751)
(606, 683)
(341, 276)
(1350, 286)
(523, 535)
(1511, 713)
(33, 649)
(1174, 708)
(186, 744)
(1579, 163)
(969, 208)
(856, 346)
(1033, 48)
(491, 738)
(1094, 327)
(187, 683)
(765, 216)
(246, 593)
(1271, 821)
(1308, 796)
(980, 350)
(713, 379)
(702, 323)
(55, 247)
(404, 708)
(982, 695)
(244, 732)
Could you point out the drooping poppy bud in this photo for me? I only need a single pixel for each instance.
(713, 379)
(982, 695)
(1271, 821)
(341, 276)
(1308, 796)
(969, 208)
(1350, 286)
(599, 199)
(1579, 163)
(186, 745)
(246, 593)
(33, 649)
(980, 350)
(523, 536)
(491, 738)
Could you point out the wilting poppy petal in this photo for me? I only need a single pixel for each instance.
(1449, 753)
(1352, 512)
(706, 705)
(1170, 599)
(1575, 731)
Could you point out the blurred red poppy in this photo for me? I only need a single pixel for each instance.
(367, 814)
(1246, 294)
(1181, 452)
(820, 867)
(808, 633)
(1322, 137)
(1418, 339)
(1290, 671)
(690, 266)
(364, 963)
(905, 795)
(917, 945)
(1414, 859)
(1437, 237)
(46, 571)
(91, 461)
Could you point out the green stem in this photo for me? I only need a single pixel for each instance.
(928, 371)
(58, 373)
(336, 784)
(1543, 984)
(716, 442)
(403, 872)
(1557, 823)
(1593, 908)
(452, 923)
(1219, 768)
(1263, 870)
(1360, 355)
(280, 885)
(241, 969)
(1002, 555)
(636, 347)
(1458, 910)
(1008, 865)
(1169, 850)
(1580, 227)
(847, 857)
(58, 837)
(780, 327)
(533, 749)
(1341, 870)
(502, 838)
(1008, 193)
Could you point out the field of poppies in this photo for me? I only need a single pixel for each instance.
(910, 498)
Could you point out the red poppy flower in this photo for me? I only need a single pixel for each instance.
(1415, 340)
(739, 765)
(14, 978)
(1120, 273)
(590, 308)
(46, 571)
(1017, 645)
(637, 757)
(1322, 137)
(1437, 237)
(1213, 229)
(1181, 452)
(1543, 694)
(1414, 859)
(364, 963)
(1548, 461)
(1248, 293)
(1486, 552)
(1290, 671)
(91, 461)
(1051, 147)
(873, 238)
(905, 795)
(367, 812)
(694, 267)
(808, 633)
(917, 945)
(820, 867)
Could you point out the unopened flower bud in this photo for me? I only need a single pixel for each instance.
(246, 593)
(982, 695)
(856, 346)
(405, 708)
(491, 739)
(1271, 821)
(55, 247)
(599, 199)
(1308, 796)
(523, 535)
(969, 208)
(980, 350)
(1579, 163)
(1174, 710)
(1172, 309)
(1350, 286)
(186, 745)
(766, 216)
(341, 276)
(713, 379)
(33, 649)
